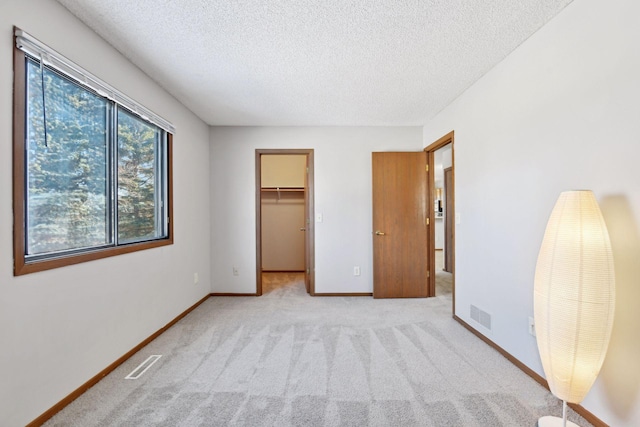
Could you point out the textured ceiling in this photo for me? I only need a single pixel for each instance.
(315, 62)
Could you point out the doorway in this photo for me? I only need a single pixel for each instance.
(442, 236)
(284, 209)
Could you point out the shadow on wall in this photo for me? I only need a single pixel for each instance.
(621, 372)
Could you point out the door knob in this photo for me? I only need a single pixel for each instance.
(303, 229)
(379, 233)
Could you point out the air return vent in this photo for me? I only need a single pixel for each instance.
(142, 368)
(480, 316)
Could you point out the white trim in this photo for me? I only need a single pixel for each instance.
(51, 58)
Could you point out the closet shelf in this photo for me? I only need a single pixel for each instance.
(280, 190)
(292, 189)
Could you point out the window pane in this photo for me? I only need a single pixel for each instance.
(67, 204)
(138, 173)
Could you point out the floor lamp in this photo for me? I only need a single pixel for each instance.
(574, 297)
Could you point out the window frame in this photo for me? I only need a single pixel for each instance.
(22, 265)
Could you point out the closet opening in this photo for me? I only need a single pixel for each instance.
(284, 226)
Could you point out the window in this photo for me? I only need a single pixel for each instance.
(92, 175)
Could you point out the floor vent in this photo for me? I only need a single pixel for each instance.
(142, 368)
(480, 316)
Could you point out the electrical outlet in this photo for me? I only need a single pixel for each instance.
(196, 278)
(235, 271)
(356, 271)
(532, 327)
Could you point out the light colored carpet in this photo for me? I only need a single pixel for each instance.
(444, 280)
(288, 359)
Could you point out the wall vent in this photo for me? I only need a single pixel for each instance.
(142, 368)
(475, 313)
(480, 316)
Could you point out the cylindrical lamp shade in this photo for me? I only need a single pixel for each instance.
(574, 295)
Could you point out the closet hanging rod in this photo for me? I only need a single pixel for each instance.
(282, 188)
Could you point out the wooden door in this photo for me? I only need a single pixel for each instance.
(400, 232)
(448, 220)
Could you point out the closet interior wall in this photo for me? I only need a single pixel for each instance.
(282, 204)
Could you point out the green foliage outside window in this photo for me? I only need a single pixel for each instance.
(95, 175)
(137, 142)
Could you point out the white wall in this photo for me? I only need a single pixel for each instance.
(342, 160)
(561, 112)
(59, 328)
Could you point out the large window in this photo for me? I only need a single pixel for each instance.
(91, 176)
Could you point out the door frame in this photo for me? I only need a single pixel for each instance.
(431, 149)
(309, 207)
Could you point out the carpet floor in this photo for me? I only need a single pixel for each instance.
(288, 359)
(444, 280)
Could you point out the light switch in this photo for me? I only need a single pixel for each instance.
(318, 217)
(457, 218)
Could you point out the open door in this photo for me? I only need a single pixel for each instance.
(400, 225)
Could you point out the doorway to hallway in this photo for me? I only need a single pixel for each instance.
(442, 213)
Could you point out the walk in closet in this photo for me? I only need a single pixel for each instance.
(282, 198)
